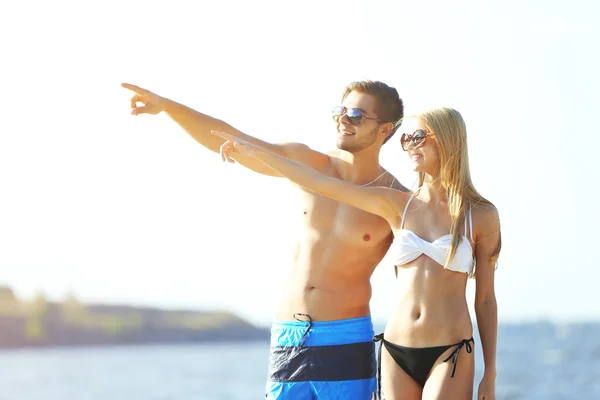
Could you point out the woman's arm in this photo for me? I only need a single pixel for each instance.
(487, 226)
(382, 201)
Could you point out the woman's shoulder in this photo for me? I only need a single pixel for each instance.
(485, 209)
(485, 216)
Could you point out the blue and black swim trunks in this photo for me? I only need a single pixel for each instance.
(322, 360)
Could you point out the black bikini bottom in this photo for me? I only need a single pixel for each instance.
(417, 362)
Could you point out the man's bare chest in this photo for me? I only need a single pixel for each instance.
(342, 221)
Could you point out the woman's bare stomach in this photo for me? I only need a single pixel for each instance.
(430, 307)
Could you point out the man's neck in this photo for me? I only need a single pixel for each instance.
(360, 168)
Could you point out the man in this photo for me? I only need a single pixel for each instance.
(321, 342)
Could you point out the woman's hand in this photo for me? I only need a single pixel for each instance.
(234, 146)
(487, 389)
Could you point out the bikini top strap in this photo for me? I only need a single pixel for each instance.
(405, 209)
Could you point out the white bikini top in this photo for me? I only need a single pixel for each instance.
(408, 247)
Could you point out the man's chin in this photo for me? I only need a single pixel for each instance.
(346, 145)
(341, 145)
(347, 148)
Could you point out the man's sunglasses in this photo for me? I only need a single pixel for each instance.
(355, 115)
(417, 139)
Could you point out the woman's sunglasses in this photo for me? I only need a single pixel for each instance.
(417, 139)
(355, 115)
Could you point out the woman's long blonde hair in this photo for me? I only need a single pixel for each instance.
(450, 133)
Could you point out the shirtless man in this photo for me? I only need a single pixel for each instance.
(321, 341)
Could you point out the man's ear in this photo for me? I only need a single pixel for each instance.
(387, 129)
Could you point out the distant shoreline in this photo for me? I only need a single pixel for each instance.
(39, 323)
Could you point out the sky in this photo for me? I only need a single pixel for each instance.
(121, 209)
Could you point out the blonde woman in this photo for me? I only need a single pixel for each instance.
(441, 231)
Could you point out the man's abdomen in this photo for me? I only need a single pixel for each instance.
(328, 284)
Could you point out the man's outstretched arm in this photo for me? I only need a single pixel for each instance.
(199, 127)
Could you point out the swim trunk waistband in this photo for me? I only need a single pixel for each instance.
(306, 332)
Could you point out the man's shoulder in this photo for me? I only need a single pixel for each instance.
(305, 155)
(333, 154)
(394, 183)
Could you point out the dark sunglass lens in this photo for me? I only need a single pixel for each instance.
(337, 112)
(355, 116)
(355, 120)
(418, 137)
(354, 112)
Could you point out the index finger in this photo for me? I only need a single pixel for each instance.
(224, 135)
(136, 89)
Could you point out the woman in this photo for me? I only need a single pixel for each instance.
(442, 230)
